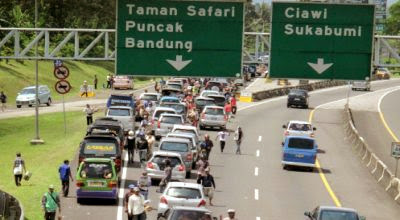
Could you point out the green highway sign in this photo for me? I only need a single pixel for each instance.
(179, 37)
(321, 41)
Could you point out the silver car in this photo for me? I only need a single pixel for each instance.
(361, 85)
(191, 137)
(213, 116)
(28, 94)
(157, 113)
(181, 146)
(123, 114)
(165, 124)
(156, 165)
(181, 194)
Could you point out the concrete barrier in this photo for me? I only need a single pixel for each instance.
(377, 168)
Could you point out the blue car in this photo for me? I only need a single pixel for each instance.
(299, 151)
(170, 99)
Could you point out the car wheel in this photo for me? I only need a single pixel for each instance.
(18, 106)
(79, 200)
(188, 174)
(30, 105)
(306, 106)
(48, 102)
(311, 169)
(153, 182)
(201, 127)
(288, 105)
(285, 167)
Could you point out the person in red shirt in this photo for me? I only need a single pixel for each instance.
(233, 104)
(228, 109)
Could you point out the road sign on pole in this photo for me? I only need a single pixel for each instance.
(61, 72)
(62, 87)
(179, 37)
(321, 41)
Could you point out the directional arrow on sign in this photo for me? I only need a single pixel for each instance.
(178, 63)
(320, 67)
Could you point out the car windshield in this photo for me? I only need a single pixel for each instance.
(171, 120)
(301, 143)
(28, 91)
(161, 160)
(118, 112)
(185, 131)
(149, 97)
(96, 170)
(174, 146)
(204, 102)
(299, 127)
(170, 100)
(338, 215)
(190, 215)
(175, 86)
(214, 111)
(218, 99)
(100, 148)
(297, 92)
(177, 107)
(159, 112)
(184, 192)
(209, 93)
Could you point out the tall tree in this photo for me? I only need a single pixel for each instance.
(393, 22)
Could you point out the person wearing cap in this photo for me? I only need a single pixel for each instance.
(126, 197)
(85, 88)
(136, 205)
(231, 215)
(208, 184)
(50, 202)
(130, 146)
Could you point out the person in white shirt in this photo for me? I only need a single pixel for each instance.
(222, 139)
(136, 204)
(89, 114)
(231, 214)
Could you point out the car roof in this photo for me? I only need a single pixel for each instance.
(185, 127)
(171, 103)
(149, 93)
(169, 97)
(214, 106)
(100, 137)
(187, 208)
(164, 108)
(173, 139)
(97, 160)
(337, 208)
(185, 184)
(119, 107)
(167, 154)
(204, 98)
(182, 134)
(170, 115)
(299, 122)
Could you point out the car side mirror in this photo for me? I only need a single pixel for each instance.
(284, 126)
(314, 128)
(308, 214)
(362, 218)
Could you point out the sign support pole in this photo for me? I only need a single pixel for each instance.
(65, 120)
(397, 166)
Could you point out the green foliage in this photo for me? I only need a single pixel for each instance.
(392, 26)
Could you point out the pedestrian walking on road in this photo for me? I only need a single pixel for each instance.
(143, 147)
(65, 175)
(150, 141)
(126, 197)
(167, 175)
(18, 169)
(208, 184)
(89, 114)
(231, 214)
(95, 81)
(238, 139)
(3, 101)
(85, 89)
(50, 203)
(108, 81)
(208, 145)
(202, 165)
(131, 146)
(222, 139)
(136, 206)
(233, 103)
(144, 183)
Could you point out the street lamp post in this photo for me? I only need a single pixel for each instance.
(37, 139)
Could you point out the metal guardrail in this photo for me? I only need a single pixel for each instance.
(376, 167)
(10, 207)
(256, 45)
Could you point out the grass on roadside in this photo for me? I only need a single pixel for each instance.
(41, 160)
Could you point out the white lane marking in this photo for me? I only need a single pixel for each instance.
(122, 188)
(256, 171)
(259, 138)
(257, 153)
(383, 96)
(251, 84)
(256, 194)
(258, 218)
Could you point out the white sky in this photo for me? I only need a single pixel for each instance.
(269, 1)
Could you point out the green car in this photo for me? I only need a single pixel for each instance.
(97, 178)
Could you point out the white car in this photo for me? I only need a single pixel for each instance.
(181, 194)
(157, 113)
(299, 128)
(165, 124)
(361, 85)
(154, 97)
(205, 93)
(156, 165)
(186, 129)
(213, 116)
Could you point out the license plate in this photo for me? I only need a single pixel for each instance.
(95, 184)
(214, 118)
(299, 155)
(296, 99)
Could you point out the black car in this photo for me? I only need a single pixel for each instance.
(106, 125)
(101, 146)
(298, 97)
(219, 99)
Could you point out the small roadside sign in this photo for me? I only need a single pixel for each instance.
(396, 150)
(61, 72)
(57, 63)
(62, 87)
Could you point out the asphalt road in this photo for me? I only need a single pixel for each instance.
(256, 185)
